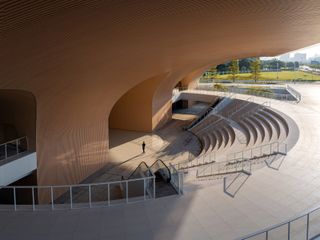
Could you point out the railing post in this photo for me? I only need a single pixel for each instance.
(14, 199)
(17, 146)
(108, 194)
(70, 191)
(90, 199)
(307, 231)
(289, 234)
(270, 149)
(286, 148)
(154, 187)
(27, 143)
(5, 151)
(51, 195)
(212, 169)
(33, 202)
(127, 197)
(267, 235)
(179, 182)
(144, 189)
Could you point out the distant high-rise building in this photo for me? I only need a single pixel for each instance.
(316, 57)
(300, 57)
(285, 57)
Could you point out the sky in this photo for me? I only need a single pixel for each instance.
(310, 51)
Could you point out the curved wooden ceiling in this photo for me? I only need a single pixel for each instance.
(78, 57)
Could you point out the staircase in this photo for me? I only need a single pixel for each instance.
(162, 173)
(163, 188)
(204, 114)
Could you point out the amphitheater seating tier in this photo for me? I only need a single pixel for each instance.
(273, 121)
(267, 126)
(239, 125)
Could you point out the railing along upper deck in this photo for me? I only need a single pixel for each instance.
(13, 148)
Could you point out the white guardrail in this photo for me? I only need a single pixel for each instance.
(207, 165)
(79, 196)
(305, 226)
(291, 96)
(87, 195)
(209, 91)
(241, 161)
(176, 179)
(294, 92)
(13, 148)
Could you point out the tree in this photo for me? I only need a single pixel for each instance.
(244, 63)
(290, 65)
(255, 67)
(222, 67)
(296, 65)
(213, 71)
(234, 69)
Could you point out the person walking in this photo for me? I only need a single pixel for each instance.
(143, 146)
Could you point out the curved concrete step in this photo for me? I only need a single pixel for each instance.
(267, 125)
(220, 139)
(232, 134)
(213, 140)
(245, 131)
(206, 143)
(240, 133)
(213, 136)
(202, 144)
(259, 127)
(273, 121)
(225, 136)
(253, 129)
(280, 119)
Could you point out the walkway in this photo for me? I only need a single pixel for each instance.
(171, 142)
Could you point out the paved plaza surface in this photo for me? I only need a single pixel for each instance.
(267, 197)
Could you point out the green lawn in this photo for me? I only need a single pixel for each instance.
(283, 75)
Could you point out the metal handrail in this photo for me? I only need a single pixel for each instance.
(203, 114)
(211, 124)
(146, 192)
(277, 96)
(240, 157)
(17, 143)
(203, 91)
(14, 140)
(288, 223)
(164, 165)
(176, 179)
(251, 150)
(248, 101)
(138, 167)
(78, 185)
(294, 92)
(197, 162)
